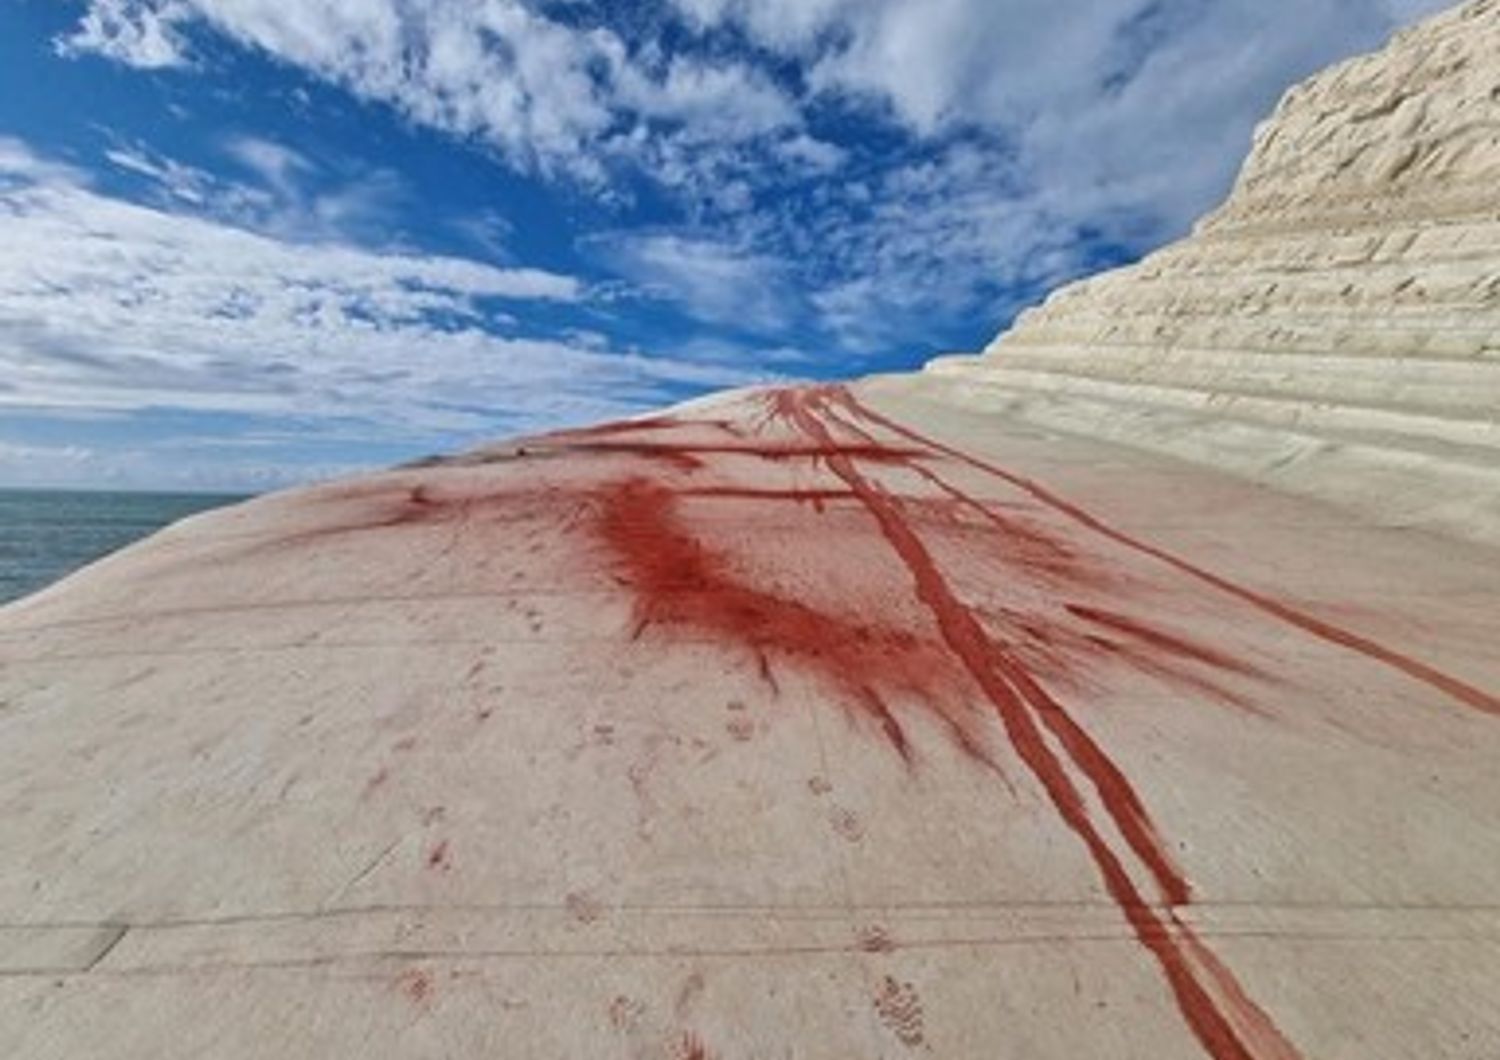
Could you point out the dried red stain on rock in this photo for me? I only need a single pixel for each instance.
(417, 985)
(1454, 688)
(1224, 1022)
(440, 857)
(1168, 643)
(690, 1047)
(680, 582)
(1053, 612)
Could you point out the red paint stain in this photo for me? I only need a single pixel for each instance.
(691, 455)
(876, 939)
(899, 1007)
(970, 668)
(817, 498)
(644, 423)
(680, 582)
(417, 985)
(1456, 689)
(376, 782)
(625, 1013)
(440, 857)
(1020, 704)
(691, 1047)
(1163, 641)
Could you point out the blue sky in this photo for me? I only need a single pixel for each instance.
(250, 242)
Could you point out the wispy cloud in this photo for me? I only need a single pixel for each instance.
(1016, 136)
(107, 304)
(743, 183)
(553, 97)
(714, 282)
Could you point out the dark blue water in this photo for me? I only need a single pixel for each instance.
(45, 534)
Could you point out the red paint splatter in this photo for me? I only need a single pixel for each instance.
(1453, 687)
(644, 423)
(440, 857)
(691, 1047)
(682, 458)
(691, 455)
(376, 782)
(977, 671)
(417, 985)
(1020, 703)
(679, 581)
(818, 498)
(1164, 642)
(876, 939)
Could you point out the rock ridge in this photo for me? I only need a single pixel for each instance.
(1334, 327)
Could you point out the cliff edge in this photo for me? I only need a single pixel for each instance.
(843, 721)
(1334, 327)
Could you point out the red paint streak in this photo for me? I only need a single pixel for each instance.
(1019, 701)
(1049, 646)
(440, 858)
(1453, 687)
(1039, 552)
(679, 456)
(645, 423)
(691, 1047)
(1141, 658)
(1114, 789)
(816, 497)
(1250, 1021)
(692, 453)
(375, 782)
(1168, 643)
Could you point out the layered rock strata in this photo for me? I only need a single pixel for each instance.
(1334, 327)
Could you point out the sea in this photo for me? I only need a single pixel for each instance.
(46, 534)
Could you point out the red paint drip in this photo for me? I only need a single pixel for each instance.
(692, 453)
(815, 497)
(1168, 643)
(681, 457)
(1018, 701)
(1451, 686)
(1040, 552)
(691, 1047)
(1114, 789)
(644, 423)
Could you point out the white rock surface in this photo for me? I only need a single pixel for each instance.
(1335, 326)
(842, 722)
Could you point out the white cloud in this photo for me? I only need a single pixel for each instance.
(1016, 134)
(140, 35)
(107, 304)
(1044, 132)
(231, 467)
(285, 194)
(552, 98)
(713, 281)
(276, 164)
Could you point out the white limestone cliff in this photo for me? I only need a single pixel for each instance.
(1334, 327)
